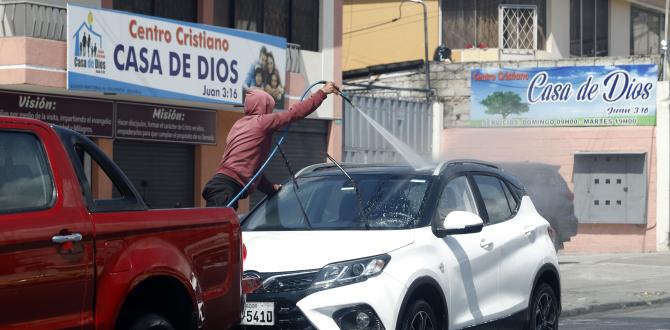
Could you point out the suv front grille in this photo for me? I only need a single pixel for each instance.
(285, 290)
(285, 282)
(288, 282)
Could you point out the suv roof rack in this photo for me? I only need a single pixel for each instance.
(322, 166)
(444, 164)
(315, 167)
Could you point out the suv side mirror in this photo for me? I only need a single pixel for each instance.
(461, 222)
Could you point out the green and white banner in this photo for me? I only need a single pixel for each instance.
(622, 95)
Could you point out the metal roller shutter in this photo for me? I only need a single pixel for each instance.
(305, 144)
(163, 173)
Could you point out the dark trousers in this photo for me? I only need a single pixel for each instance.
(220, 190)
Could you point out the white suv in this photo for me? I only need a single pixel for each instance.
(390, 247)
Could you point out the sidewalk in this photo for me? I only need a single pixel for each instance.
(596, 283)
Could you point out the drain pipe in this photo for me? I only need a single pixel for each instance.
(425, 45)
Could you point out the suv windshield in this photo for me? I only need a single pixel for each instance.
(391, 202)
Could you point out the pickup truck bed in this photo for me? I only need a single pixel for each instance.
(69, 259)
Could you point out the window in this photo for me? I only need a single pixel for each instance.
(96, 177)
(495, 201)
(646, 30)
(25, 177)
(511, 201)
(331, 202)
(295, 20)
(174, 9)
(589, 27)
(456, 196)
(469, 23)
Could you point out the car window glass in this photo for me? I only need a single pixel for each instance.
(456, 196)
(97, 180)
(330, 202)
(25, 178)
(510, 198)
(491, 190)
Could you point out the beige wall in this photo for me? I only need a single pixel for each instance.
(32, 61)
(369, 38)
(558, 28)
(619, 35)
(557, 146)
(663, 164)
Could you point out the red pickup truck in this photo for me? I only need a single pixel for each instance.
(69, 259)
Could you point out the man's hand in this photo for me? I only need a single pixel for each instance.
(330, 88)
(277, 187)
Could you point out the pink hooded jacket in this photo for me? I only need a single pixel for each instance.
(250, 139)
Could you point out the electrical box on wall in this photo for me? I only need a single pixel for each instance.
(610, 188)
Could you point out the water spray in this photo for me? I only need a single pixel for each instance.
(414, 159)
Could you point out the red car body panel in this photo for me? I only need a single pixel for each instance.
(84, 285)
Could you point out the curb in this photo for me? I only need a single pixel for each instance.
(611, 306)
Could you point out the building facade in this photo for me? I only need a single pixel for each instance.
(381, 32)
(167, 167)
(602, 184)
(386, 31)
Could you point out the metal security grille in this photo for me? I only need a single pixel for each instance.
(411, 122)
(293, 58)
(32, 19)
(517, 28)
(305, 144)
(163, 173)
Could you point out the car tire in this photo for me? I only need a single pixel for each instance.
(543, 309)
(152, 321)
(420, 316)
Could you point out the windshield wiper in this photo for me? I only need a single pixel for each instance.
(358, 192)
(295, 187)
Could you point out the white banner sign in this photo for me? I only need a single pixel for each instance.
(118, 52)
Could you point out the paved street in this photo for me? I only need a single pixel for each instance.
(602, 282)
(641, 318)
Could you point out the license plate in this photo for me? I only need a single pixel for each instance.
(258, 313)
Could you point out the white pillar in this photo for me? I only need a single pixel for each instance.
(663, 166)
(438, 120)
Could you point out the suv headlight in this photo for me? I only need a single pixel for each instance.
(349, 272)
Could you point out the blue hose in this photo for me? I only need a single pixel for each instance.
(272, 153)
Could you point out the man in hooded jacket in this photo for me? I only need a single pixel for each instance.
(249, 142)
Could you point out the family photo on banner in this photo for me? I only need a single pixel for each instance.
(264, 75)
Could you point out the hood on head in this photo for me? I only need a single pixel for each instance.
(258, 102)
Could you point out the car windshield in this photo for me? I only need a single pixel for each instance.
(391, 202)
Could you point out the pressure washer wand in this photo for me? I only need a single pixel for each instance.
(295, 187)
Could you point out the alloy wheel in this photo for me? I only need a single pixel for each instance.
(546, 316)
(421, 321)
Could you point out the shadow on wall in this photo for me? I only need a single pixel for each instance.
(550, 194)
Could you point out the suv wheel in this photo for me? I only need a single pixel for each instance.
(420, 316)
(152, 321)
(543, 309)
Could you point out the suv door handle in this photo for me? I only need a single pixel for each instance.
(485, 243)
(60, 239)
(528, 230)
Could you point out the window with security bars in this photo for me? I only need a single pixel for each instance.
(474, 23)
(517, 27)
(646, 31)
(296, 20)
